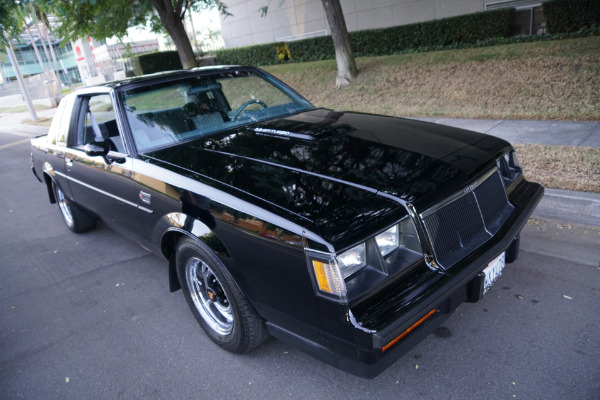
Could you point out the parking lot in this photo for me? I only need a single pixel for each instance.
(91, 316)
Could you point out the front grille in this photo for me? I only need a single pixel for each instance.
(459, 226)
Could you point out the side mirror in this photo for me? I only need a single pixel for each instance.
(98, 149)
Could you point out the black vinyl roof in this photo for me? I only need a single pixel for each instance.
(175, 74)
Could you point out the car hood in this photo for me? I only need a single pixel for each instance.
(314, 163)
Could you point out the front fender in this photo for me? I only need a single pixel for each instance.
(175, 225)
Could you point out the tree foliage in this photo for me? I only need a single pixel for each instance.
(99, 19)
(102, 19)
(10, 20)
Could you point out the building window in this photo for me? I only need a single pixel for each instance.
(529, 16)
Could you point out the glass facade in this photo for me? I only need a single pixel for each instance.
(29, 64)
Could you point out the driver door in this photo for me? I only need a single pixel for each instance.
(103, 185)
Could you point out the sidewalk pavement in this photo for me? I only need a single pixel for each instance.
(14, 123)
(553, 133)
(576, 207)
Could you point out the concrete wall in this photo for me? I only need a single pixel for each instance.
(39, 87)
(305, 18)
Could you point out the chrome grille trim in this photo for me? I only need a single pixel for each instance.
(457, 195)
(466, 220)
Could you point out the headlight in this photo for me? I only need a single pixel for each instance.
(402, 234)
(388, 252)
(388, 241)
(352, 260)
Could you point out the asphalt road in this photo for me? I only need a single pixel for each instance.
(90, 316)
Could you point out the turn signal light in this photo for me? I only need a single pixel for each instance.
(329, 278)
(409, 330)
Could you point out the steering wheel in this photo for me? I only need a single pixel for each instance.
(246, 104)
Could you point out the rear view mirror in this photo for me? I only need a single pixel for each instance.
(95, 149)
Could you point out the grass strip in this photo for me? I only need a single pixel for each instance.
(554, 80)
(562, 167)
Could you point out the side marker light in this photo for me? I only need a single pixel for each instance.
(409, 330)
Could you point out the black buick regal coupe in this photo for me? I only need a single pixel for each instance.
(350, 236)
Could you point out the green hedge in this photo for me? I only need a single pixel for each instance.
(584, 32)
(571, 15)
(313, 49)
(158, 61)
(443, 32)
(246, 55)
(377, 42)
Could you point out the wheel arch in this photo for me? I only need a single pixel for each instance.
(192, 228)
(48, 182)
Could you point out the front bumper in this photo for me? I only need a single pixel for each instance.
(389, 323)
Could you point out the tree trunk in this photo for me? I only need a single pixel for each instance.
(193, 28)
(171, 20)
(346, 65)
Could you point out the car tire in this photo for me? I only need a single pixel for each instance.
(219, 306)
(75, 218)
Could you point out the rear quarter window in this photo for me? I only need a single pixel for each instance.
(59, 128)
(56, 121)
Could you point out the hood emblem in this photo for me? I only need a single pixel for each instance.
(272, 131)
(281, 134)
(469, 188)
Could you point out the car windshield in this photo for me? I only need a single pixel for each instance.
(176, 111)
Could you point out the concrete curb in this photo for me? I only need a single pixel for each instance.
(577, 207)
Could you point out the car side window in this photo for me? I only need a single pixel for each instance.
(99, 123)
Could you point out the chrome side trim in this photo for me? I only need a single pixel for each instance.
(129, 203)
(426, 245)
(357, 324)
(320, 252)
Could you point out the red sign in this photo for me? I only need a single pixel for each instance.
(78, 55)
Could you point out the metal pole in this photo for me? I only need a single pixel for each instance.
(34, 45)
(15, 65)
(3, 74)
(37, 24)
(45, 71)
(46, 28)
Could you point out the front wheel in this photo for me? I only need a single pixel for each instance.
(75, 218)
(215, 300)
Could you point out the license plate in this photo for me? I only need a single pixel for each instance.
(493, 271)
